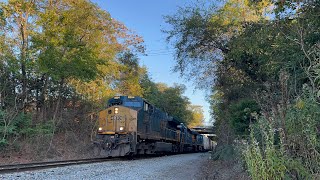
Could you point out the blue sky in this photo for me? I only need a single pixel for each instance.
(145, 17)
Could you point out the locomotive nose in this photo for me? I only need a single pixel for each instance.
(116, 120)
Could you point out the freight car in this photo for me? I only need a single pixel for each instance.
(130, 126)
(207, 144)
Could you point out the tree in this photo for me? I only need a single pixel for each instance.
(170, 100)
(200, 35)
(130, 75)
(58, 49)
(76, 35)
(150, 89)
(197, 116)
(265, 72)
(17, 18)
(59, 61)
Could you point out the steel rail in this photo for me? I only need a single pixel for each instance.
(45, 165)
(13, 168)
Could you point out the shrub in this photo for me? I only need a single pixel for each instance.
(293, 152)
(264, 159)
(14, 125)
(224, 152)
(303, 138)
(240, 115)
(3, 143)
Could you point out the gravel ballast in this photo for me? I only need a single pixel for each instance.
(182, 166)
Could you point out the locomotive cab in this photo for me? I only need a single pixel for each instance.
(118, 126)
(120, 116)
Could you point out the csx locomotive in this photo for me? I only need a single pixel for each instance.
(130, 126)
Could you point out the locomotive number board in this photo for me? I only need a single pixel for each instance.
(116, 118)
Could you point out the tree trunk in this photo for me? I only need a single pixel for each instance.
(59, 98)
(43, 96)
(22, 21)
(23, 68)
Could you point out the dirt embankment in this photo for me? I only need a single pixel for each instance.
(63, 146)
(222, 170)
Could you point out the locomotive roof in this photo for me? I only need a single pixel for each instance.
(127, 98)
(140, 99)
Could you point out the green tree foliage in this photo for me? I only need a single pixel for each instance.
(18, 27)
(120, 76)
(197, 116)
(50, 49)
(172, 101)
(259, 61)
(200, 35)
(241, 115)
(130, 75)
(15, 125)
(150, 89)
(76, 35)
(59, 60)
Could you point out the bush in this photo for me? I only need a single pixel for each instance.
(240, 115)
(46, 128)
(224, 152)
(303, 138)
(14, 125)
(267, 160)
(275, 153)
(3, 144)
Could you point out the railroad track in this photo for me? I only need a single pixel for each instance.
(45, 165)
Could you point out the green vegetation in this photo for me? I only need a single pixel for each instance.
(241, 115)
(14, 126)
(290, 154)
(60, 60)
(260, 61)
(172, 101)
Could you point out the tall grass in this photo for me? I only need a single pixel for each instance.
(274, 153)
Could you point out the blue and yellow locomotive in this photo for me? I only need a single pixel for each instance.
(130, 126)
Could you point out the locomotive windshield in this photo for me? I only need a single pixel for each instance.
(127, 101)
(114, 102)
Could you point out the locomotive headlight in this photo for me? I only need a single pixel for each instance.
(100, 129)
(121, 128)
(116, 110)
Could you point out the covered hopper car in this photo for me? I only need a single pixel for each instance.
(131, 126)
